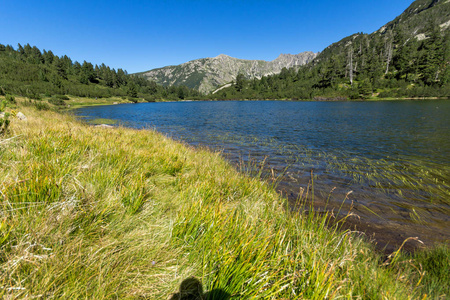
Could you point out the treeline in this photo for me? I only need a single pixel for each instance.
(30, 72)
(390, 63)
(384, 65)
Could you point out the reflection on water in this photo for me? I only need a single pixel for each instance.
(392, 155)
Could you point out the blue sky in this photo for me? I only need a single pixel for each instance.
(142, 35)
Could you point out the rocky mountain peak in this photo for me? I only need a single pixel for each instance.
(207, 74)
(222, 56)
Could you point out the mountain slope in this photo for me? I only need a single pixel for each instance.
(206, 74)
(407, 57)
(419, 15)
(417, 21)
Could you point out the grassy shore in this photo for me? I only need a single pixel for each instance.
(101, 213)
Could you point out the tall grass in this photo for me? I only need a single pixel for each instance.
(103, 213)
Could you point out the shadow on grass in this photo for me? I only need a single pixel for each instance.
(192, 289)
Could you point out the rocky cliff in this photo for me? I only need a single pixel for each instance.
(207, 74)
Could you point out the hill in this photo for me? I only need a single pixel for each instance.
(36, 74)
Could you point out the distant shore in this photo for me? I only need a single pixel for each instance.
(77, 102)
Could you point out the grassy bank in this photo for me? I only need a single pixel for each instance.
(100, 213)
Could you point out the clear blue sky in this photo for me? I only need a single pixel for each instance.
(142, 35)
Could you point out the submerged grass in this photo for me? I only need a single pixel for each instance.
(103, 213)
(415, 178)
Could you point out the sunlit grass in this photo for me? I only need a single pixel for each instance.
(99, 213)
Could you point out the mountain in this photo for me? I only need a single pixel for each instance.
(418, 16)
(407, 57)
(393, 50)
(416, 23)
(207, 74)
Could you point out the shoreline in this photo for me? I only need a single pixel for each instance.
(388, 236)
(136, 213)
(116, 101)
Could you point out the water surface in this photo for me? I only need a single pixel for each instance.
(386, 162)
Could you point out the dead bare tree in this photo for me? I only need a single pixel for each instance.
(388, 46)
(350, 62)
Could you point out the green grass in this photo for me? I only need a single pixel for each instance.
(435, 265)
(100, 213)
(76, 102)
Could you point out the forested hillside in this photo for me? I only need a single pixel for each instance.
(409, 57)
(28, 72)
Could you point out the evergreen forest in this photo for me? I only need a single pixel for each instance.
(409, 57)
(389, 63)
(27, 71)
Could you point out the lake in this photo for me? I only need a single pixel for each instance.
(387, 162)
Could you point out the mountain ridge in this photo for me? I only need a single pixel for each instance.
(207, 74)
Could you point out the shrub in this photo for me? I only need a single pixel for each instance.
(58, 102)
(62, 97)
(386, 94)
(353, 94)
(33, 95)
(4, 121)
(41, 105)
(150, 98)
(10, 99)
